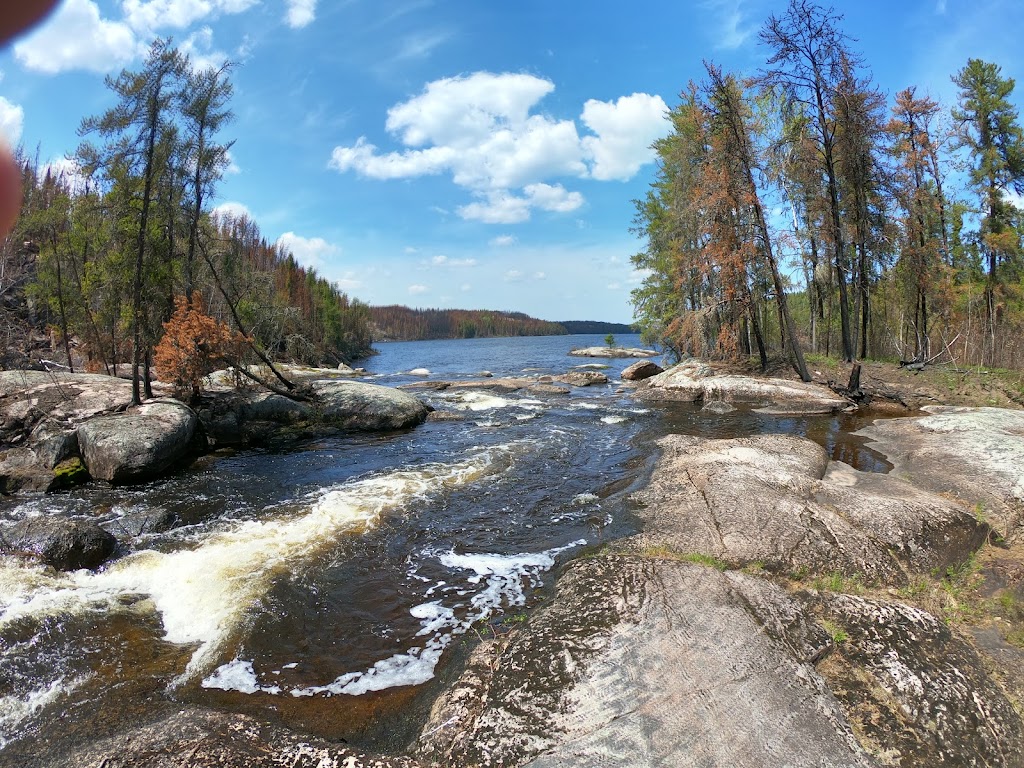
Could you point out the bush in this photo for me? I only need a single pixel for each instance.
(193, 346)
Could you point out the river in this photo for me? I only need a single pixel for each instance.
(335, 585)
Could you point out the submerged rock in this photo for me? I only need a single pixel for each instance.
(138, 444)
(694, 381)
(777, 500)
(67, 545)
(646, 663)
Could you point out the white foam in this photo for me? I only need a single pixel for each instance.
(613, 419)
(204, 594)
(584, 498)
(15, 710)
(238, 675)
(503, 577)
(479, 401)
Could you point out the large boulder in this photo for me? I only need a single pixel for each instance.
(65, 544)
(138, 444)
(974, 454)
(369, 407)
(778, 501)
(695, 381)
(640, 370)
(647, 663)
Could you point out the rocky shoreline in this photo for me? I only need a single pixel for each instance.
(777, 608)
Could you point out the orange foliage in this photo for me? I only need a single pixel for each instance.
(193, 345)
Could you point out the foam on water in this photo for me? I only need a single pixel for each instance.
(612, 419)
(504, 579)
(204, 593)
(16, 710)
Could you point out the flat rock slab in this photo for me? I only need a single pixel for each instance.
(916, 692)
(614, 352)
(975, 454)
(694, 381)
(778, 501)
(370, 407)
(26, 397)
(643, 663)
(137, 444)
(200, 738)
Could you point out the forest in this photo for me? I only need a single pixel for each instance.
(804, 210)
(119, 253)
(398, 323)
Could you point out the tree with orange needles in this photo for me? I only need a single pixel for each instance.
(193, 346)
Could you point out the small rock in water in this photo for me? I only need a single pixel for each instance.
(718, 406)
(419, 372)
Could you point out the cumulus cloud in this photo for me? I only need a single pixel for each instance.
(12, 117)
(481, 129)
(513, 275)
(232, 210)
(77, 37)
(623, 133)
(312, 252)
(506, 208)
(300, 13)
(415, 290)
(502, 241)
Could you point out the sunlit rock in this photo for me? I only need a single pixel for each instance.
(695, 381)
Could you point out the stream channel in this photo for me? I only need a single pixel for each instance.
(335, 585)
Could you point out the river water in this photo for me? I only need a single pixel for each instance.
(334, 585)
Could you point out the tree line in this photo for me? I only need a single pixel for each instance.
(101, 255)
(801, 209)
(398, 323)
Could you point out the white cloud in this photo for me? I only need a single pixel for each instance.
(312, 252)
(76, 37)
(444, 261)
(624, 131)
(502, 241)
(479, 130)
(301, 13)
(415, 290)
(506, 208)
(12, 117)
(465, 287)
(513, 275)
(71, 172)
(733, 27)
(420, 45)
(539, 275)
(147, 16)
(202, 55)
(232, 210)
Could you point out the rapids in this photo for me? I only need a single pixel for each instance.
(354, 571)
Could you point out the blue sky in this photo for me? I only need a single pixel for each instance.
(459, 154)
